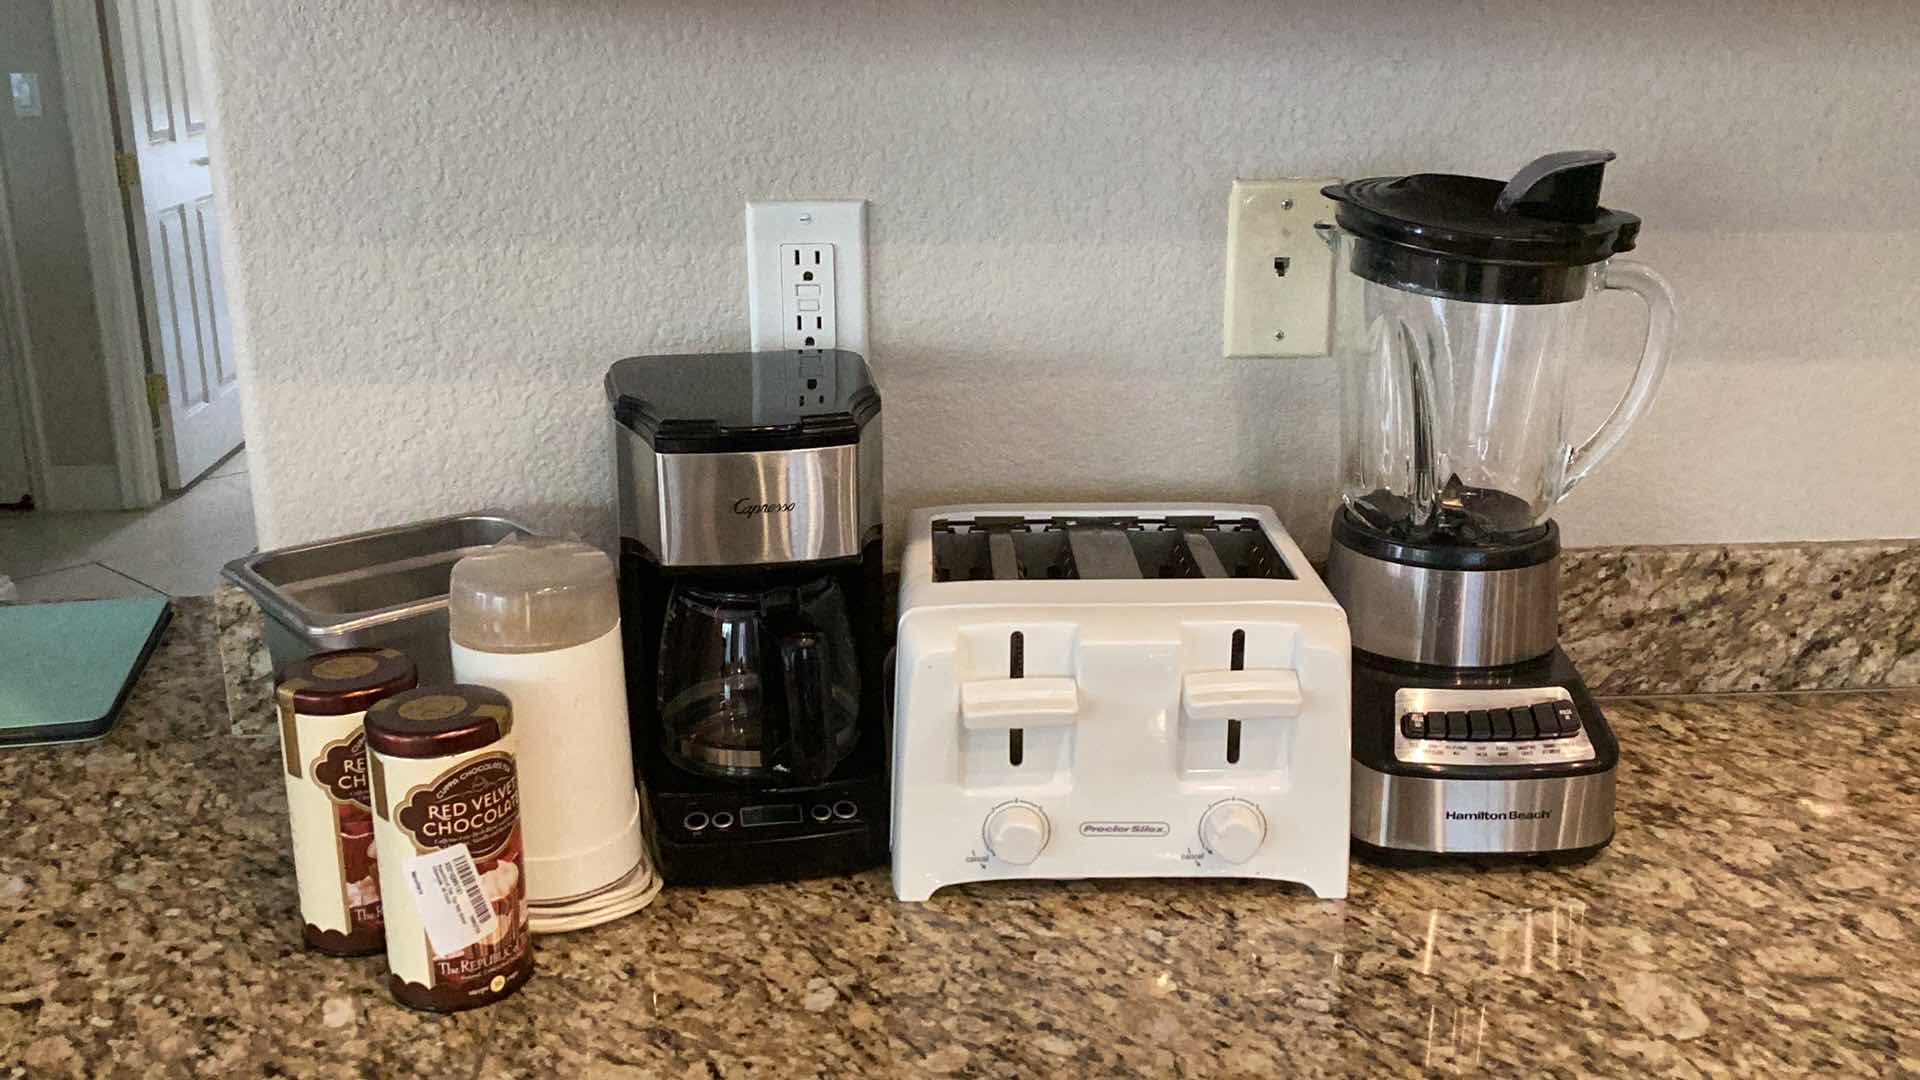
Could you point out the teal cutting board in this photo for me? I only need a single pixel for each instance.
(65, 669)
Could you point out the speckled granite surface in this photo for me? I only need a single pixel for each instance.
(1753, 918)
(1712, 618)
(246, 667)
(1716, 618)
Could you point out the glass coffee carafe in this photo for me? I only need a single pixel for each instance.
(758, 684)
(1460, 305)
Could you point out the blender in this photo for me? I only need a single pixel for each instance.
(1460, 305)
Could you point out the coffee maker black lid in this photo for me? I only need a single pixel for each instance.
(1520, 241)
(708, 403)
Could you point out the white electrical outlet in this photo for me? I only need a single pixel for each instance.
(1279, 270)
(807, 316)
(807, 275)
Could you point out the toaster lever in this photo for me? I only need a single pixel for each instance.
(990, 704)
(1241, 695)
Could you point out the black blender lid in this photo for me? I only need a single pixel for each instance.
(1518, 241)
(745, 401)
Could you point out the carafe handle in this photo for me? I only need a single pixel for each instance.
(805, 675)
(1653, 290)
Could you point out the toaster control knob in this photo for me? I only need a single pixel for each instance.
(1233, 829)
(1016, 833)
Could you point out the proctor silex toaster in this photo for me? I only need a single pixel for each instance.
(1117, 691)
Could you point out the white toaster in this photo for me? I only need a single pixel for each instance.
(1117, 690)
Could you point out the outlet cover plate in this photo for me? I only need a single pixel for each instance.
(1269, 226)
(774, 230)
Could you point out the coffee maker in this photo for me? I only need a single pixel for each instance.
(1460, 304)
(752, 610)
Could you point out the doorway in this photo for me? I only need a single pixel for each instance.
(122, 469)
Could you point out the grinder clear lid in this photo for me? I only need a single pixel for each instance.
(532, 595)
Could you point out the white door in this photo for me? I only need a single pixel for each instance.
(14, 484)
(154, 49)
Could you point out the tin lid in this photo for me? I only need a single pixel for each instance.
(435, 721)
(344, 681)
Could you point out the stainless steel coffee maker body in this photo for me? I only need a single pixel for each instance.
(748, 490)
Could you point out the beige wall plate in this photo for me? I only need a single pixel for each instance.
(1279, 271)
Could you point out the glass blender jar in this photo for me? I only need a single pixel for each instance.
(1462, 309)
(1460, 305)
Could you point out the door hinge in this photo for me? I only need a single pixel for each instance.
(128, 168)
(157, 394)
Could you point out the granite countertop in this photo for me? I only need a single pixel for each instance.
(1752, 918)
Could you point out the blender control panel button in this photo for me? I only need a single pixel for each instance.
(1494, 727)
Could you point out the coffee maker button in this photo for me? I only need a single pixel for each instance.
(845, 809)
(695, 821)
(1480, 723)
(1523, 727)
(1502, 724)
(1016, 833)
(1414, 725)
(722, 820)
(1544, 719)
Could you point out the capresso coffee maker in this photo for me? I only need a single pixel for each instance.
(752, 610)
(1460, 306)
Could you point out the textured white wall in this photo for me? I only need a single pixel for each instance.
(447, 216)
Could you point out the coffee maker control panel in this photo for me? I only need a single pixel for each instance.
(1477, 728)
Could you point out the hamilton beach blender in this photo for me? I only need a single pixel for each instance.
(1460, 304)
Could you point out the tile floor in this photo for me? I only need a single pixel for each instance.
(176, 548)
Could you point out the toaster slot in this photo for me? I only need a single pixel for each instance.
(1115, 548)
(1246, 552)
(1200, 549)
(1002, 557)
(1160, 554)
(960, 556)
(1102, 552)
(1046, 554)
(979, 550)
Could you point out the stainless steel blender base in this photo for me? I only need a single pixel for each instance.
(1446, 618)
(1482, 817)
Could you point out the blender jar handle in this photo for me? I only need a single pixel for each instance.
(1651, 288)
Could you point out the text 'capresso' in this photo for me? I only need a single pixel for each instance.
(749, 508)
